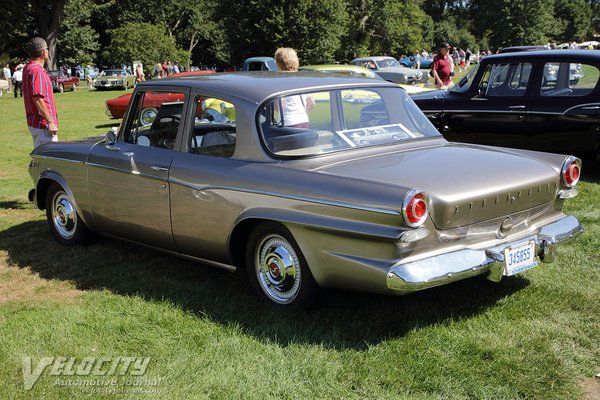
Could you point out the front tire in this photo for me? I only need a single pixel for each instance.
(277, 270)
(61, 88)
(66, 225)
(74, 87)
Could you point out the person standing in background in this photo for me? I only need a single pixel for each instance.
(18, 78)
(38, 95)
(7, 76)
(441, 68)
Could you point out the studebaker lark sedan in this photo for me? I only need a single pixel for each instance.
(354, 199)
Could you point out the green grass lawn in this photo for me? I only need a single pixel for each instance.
(533, 336)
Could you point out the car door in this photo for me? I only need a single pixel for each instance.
(128, 179)
(204, 203)
(564, 114)
(494, 114)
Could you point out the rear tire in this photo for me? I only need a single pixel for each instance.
(277, 270)
(66, 225)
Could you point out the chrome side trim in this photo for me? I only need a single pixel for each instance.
(286, 196)
(461, 264)
(137, 173)
(57, 159)
(584, 106)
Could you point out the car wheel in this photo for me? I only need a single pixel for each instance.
(61, 88)
(277, 270)
(125, 85)
(64, 221)
(74, 87)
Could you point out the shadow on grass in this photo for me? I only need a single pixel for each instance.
(343, 320)
(110, 125)
(14, 205)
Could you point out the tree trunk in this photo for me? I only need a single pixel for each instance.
(49, 15)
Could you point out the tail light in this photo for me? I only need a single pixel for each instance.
(571, 170)
(415, 208)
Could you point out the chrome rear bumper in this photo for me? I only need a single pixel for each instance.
(461, 264)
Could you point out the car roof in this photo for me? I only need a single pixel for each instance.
(257, 86)
(580, 55)
(522, 48)
(259, 59)
(374, 58)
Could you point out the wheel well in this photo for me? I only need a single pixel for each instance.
(41, 191)
(239, 238)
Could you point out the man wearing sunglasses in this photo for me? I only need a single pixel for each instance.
(38, 95)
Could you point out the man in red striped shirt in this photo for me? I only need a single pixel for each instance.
(38, 95)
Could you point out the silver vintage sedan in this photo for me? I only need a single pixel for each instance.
(306, 181)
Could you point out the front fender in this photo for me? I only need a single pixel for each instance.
(44, 181)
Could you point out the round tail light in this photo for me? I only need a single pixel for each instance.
(415, 208)
(571, 171)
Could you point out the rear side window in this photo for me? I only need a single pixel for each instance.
(214, 128)
(568, 79)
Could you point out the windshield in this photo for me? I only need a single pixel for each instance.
(465, 83)
(388, 63)
(111, 72)
(311, 123)
(54, 73)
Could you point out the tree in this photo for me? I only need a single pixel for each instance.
(143, 41)
(522, 22)
(77, 40)
(49, 14)
(573, 20)
(257, 27)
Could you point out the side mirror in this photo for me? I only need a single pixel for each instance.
(111, 137)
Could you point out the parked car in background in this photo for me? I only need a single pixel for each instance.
(356, 199)
(114, 78)
(409, 62)
(538, 100)
(62, 82)
(259, 64)
(390, 70)
(345, 69)
(115, 108)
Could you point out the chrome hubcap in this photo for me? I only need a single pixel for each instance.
(278, 269)
(64, 215)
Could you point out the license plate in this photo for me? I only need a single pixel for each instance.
(519, 258)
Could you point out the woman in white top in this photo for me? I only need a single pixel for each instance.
(297, 107)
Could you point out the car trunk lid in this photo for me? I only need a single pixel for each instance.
(467, 184)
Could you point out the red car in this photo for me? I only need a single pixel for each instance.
(115, 108)
(60, 81)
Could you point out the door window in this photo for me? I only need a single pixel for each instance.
(568, 79)
(505, 80)
(155, 119)
(214, 128)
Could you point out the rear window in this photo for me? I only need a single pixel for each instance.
(568, 79)
(311, 123)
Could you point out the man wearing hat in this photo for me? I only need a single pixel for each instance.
(441, 68)
(38, 95)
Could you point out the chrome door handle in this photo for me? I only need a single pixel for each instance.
(517, 107)
(112, 147)
(159, 168)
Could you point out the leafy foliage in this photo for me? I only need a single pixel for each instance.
(222, 33)
(143, 41)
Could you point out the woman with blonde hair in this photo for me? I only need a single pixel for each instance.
(297, 107)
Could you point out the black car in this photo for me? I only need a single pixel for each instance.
(539, 100)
